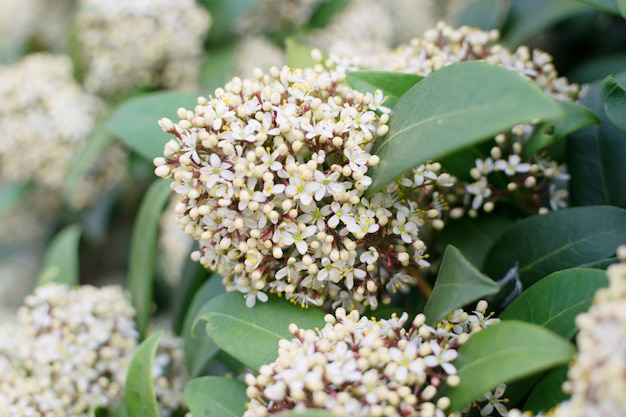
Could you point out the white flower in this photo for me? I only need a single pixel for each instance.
(441, 357)
(480, 190)
(513, 165)
(216, 171)
(496, 401)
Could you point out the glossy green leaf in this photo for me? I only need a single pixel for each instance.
(218, 66)
(609, 6)
(458, 283)
(298, 55)
(595, 157)
(542, 244)
(325, 12)
(12, 194)
(474, 237)
(392, 84)
(135, 121)
(234, 327)
(199, 348)
(99, 139)
(61, 261)
(556, 300)
(548, 392)
(485, 14)
(308, 413)
(503, 353)
(613, 96)
(548, 133)
(530, 17)
(451, 109)
(142, 251)
(139, 396)
(213, 396)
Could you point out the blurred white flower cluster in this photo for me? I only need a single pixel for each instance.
(272, 173)
(355, 366)
(274, 16)
(597, 378)
(47, 118)
(123, 45)
(69, 352)
(505, 171)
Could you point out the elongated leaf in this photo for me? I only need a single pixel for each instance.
(502, 353)
(576, 117)
(212, 396)
(199, 348)
(485, 14)
(474, 237)
(595, 157)
(11, 194)
(613, 96)
(61, 260)
(392, 84)
(458, 283)
(139, 395)
(99, 139)
(548, 392)
(609, 6)
(542, 244)
(134, 121)
(325, 12)
(234, 326)
(556, 300)
(142, 251)
(451, 109)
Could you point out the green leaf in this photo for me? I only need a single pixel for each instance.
(325, 12)
(308, 413)
(99, 139)
(224, 15)
(218, 67)
(142, 251)
(530, 17)
(11, 195)
(503, 353)
(613, 96)
(621, 5)
(392, 84)
(566, 238)
(596, 68)
(576, 117)
(609, 6)
(199, 348)
(139, 397)
(474, 237)
(454, 104)
(234, 326)
(135, 121)
(595, 157)
(556, 300)
(213, 396)
(61, 262)
(120, 411)
(298, 55)
(458, 283)
(485, 14)
(548, 392)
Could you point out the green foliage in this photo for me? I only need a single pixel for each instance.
(613, 96)
(298, 55)
(609, 6)
(325, 12)
(139, 396)
(458, 283)
(142, 251)
(556, 300)
(392, 84)
(548, 391)
(134, 121)
(224, 14)
(211, 396)
(485, 14)
(233, 326)
(542, 244)
(61, 261)
(12, 194)
(446, 105)
(504, 353)
(218, 66)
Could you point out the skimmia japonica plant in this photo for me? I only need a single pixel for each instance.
(429, 220)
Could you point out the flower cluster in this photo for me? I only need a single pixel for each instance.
(141, 43)
(597, 378)
(47, 118)
(68, 354)
(506, 171)
(272, 173)
(355, 366)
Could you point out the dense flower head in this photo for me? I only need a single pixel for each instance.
(48, 117)
(355, 366)
(142, 43)
(507, 171)
(69, 353)
(597, 378)
(272, 173)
